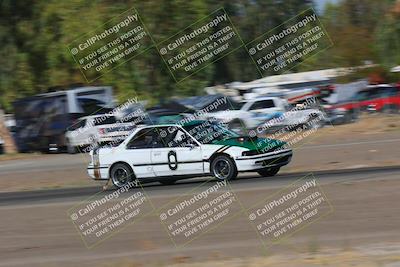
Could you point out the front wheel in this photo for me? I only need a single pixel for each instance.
(121, 175)
(70, 148)
(269, 171)
(223, 168)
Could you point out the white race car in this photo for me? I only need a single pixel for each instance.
(167, 153)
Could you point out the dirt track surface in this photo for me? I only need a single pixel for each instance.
(365, 213)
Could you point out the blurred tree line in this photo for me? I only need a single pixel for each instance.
(362, 31)
(34, 35)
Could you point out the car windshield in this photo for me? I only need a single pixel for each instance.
(361, 96)
(77, 124)
(208, 132)
(237, 105)
(103, 120)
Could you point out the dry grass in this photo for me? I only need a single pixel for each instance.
(334, 258)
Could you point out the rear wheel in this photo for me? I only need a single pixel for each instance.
(223, 168)
(347, 117)
(269, 171)
(121, 175)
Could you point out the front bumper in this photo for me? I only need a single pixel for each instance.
(262, 161)
(336, 119)
(98, 172)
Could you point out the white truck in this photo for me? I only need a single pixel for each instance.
(258, 111)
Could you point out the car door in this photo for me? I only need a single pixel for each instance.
(370, 98)
(138, 153)
(176, 153)
(77, 134)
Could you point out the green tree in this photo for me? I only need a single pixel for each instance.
(388, 37)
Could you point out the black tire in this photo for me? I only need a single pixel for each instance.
(347, 117)
(355, 115)
(121, 174)
(167, 181)
(223, 168)
(44, 145)
(268, 172)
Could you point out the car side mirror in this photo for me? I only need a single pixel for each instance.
(191, 146)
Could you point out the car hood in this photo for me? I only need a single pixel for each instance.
(256, 143)
(228, 114)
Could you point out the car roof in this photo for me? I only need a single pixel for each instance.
(379, 86)
(96, 116)
(260, 99)
(189, 123)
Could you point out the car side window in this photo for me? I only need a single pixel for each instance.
(145, 138)
(178, 138)
(160, 134)
(374, 94)
(390, 91)
(77, 125)
(362, 96)
(262, 104)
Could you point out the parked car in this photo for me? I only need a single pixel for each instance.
(374, 98)
(343, 112)
(42, 120)
(96, 130)
(338, 101)
(258, 111)
(167, 153)
(379, 98)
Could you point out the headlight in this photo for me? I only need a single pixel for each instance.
(250, 153)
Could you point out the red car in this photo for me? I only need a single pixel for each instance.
(381, 98)
(374, 98)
